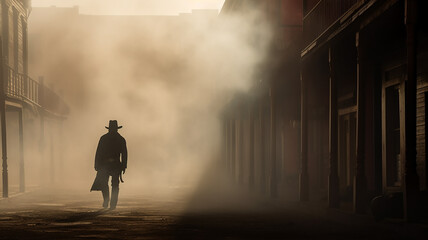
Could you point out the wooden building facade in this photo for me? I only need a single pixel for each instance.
(364, 73)
(262, 126)
(24, 101)
(363, 96)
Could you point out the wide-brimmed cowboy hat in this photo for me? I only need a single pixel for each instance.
(113, 125)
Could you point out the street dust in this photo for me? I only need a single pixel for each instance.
(166, 79)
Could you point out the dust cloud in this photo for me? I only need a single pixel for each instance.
(166, 79)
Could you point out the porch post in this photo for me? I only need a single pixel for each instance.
(241, 148)
(232, 147)
(273, 178)
(360, 182)
(226, 142)
(411, 180)
(52, 157)
(333, 177)
(3, 123)
(42, 133)
(304, 178)
(252, 148)
(21, 153)
(262, 150)
(61, 150)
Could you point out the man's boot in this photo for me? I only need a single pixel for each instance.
(106, 195)
(114, 198)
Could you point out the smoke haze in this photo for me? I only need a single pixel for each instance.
(165, 79)
(133, 7)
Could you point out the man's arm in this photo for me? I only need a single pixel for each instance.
(124, 156)
(98, 156)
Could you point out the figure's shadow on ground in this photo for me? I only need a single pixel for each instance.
(77, 217)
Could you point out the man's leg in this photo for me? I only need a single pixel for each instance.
(106, 196)
(114, 190)
(103, 178)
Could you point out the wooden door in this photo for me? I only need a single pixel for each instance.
(393, 104)
(347, 151)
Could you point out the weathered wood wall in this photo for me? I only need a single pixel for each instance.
(13, 17)
(421, 111)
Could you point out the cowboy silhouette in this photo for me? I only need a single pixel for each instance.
(107, 163)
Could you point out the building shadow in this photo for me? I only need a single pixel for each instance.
(221, 208)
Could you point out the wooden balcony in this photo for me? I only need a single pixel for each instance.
(20, 87)
(323, 15)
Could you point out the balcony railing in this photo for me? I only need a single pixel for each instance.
(20, 86)
(323, 15)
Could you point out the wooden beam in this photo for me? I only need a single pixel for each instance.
(42, 135)
(360, 182)
(233, 147)
(333, 177)
(3, 124)
(225, 143)
(51, 154)
(262, 149)
(273, 177)
(13, 105)
(251, 148)
(304, 177)
(411, 180)
(241, 149)
(21, 152)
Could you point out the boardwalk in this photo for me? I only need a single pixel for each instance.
(77, 215)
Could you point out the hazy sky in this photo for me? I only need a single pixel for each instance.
(133, 7)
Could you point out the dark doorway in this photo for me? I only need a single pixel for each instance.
(392, 114)
(392, 97)
(347, 152)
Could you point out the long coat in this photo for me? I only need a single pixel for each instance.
(107, 158)
(110, 147)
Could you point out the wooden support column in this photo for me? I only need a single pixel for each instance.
(229, 145)
(273, 177)
(262, 150)
(304, 177)
(3, 123)
(241, 149)
(252, 148)
(61, 150)
(360, 182)
(232, 147)
(333, 177)
(21, 152)
(225, 143)
(52, 154)
(411, 180)
(42, 150)
(42, 133)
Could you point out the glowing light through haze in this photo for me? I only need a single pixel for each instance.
(133, 7)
